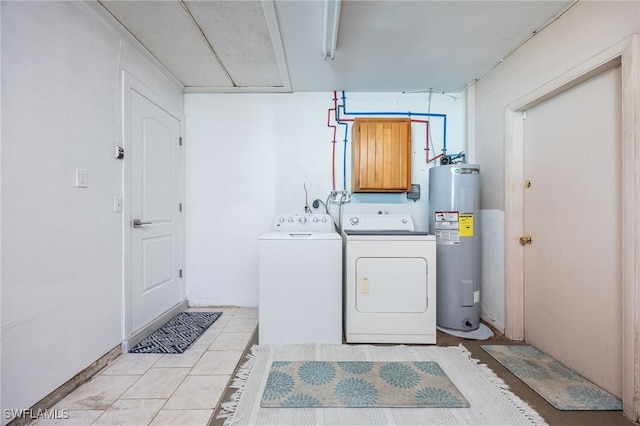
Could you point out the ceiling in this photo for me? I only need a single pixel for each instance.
(382, 45)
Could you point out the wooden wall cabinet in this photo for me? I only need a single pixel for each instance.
(381, 155)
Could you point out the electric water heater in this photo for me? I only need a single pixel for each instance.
(454, 205)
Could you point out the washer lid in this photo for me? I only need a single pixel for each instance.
(301, 236)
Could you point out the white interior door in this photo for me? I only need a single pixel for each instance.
(155, 210)
(572, 211)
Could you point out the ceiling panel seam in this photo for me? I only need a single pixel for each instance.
(213, 51)
(271, 18)
(102, 8)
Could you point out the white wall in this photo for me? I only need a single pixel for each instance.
(61, 261)
(1, 405)
(248, 158)
(583, 31)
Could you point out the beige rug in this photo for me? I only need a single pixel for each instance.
(299, 384)
(491, 403)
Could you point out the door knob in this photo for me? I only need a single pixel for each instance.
(138, 224)
(525, 240)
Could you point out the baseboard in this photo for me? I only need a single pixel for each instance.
(69, 386)
(136, 337)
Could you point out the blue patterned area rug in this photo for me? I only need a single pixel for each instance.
(177, 334)
(487, 398)
(559, 386)
(360, 384)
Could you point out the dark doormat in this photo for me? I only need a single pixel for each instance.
(177, 334)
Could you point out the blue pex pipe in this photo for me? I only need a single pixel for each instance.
(344, 154)
(408, 114)
(389, 113)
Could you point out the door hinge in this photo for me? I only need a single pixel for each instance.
(180, 140)
(180, 273)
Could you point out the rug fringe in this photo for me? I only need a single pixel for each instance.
(228, 409)
(520, 405)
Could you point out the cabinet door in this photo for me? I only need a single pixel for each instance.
(381, 155)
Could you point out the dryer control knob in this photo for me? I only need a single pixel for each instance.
(303, 220)
(315, 220)
(281, 220)
(290, 220)
(324, 220)
(404, 220)
(354, 220)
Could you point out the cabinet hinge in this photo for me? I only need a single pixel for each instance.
(180, 273)
(180, 207)
(180, 140)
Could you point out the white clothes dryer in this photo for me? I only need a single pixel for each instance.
(300, 281)
(389, 280)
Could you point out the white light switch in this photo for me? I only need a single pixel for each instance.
(82, 178)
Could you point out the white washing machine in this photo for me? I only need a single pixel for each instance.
(389, 280)
(300, 281)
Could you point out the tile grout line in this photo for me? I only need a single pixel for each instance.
(166, 400)
(229, 312)
(215, 345)
(172, 393)
(182, 381)
(209, 347)
(245, 352)
(119, 398)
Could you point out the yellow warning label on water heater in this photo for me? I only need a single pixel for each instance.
(465, 228)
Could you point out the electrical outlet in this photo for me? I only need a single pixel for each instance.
(82, 178)
(117, 204)
(414, 194)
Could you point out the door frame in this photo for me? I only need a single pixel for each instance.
(624, 53)
(129, 85)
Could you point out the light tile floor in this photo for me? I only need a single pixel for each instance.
(171, 389)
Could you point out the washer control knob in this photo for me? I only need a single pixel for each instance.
(354, 220)
(404, 220)
(315, 220)
(290, 220)
(324, 220)
(281, 220)
(302, 220)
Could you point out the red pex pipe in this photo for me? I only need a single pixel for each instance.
(333, 149)
(340, 120)
(333, 165)
(426, 122)
(333, 153)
